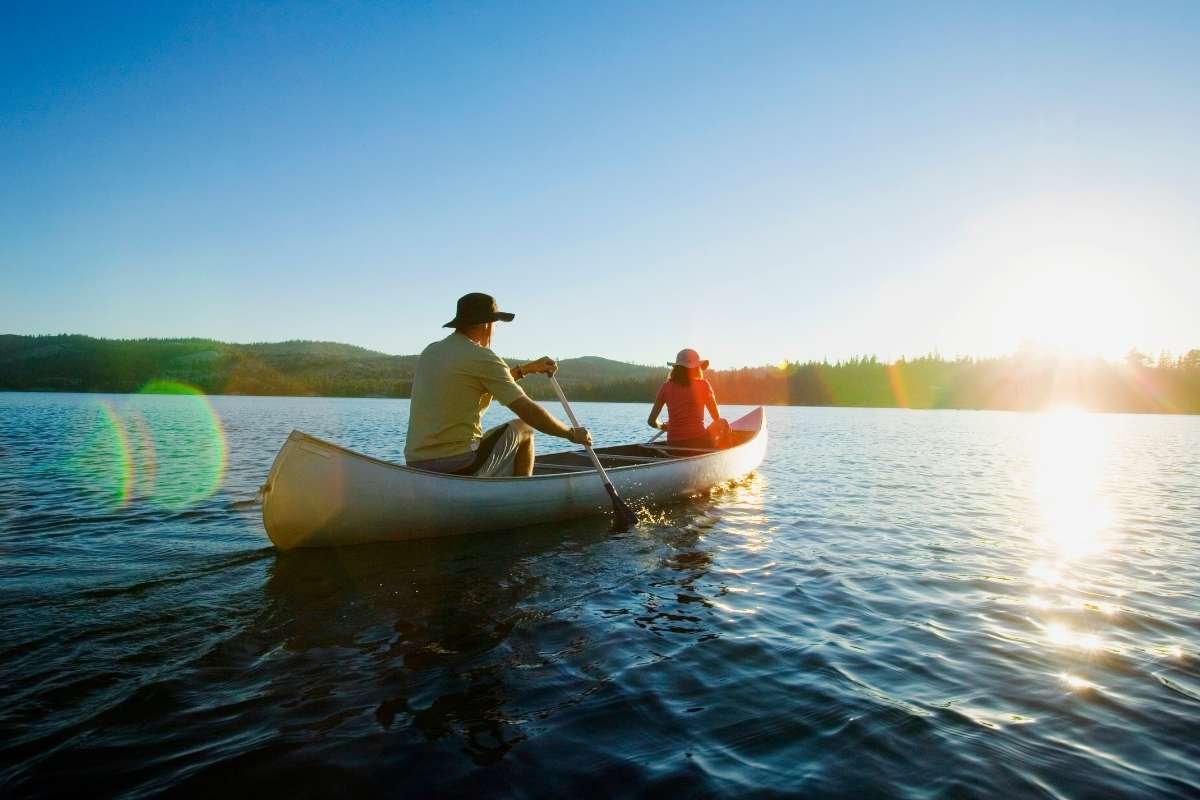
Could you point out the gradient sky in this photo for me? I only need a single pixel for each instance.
(759, 181)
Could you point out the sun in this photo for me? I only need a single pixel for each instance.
(1066, 273)
(1073, 311)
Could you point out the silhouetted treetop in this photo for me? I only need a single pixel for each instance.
(1024, 381)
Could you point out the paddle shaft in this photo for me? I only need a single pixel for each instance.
(624, 517)
(562, 398)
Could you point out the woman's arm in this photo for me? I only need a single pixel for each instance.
(652, 420)
(711, 403)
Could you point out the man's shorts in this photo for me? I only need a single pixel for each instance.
(494, 458)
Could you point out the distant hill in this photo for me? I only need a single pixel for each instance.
(1025, 381)
(595, 367)
(85, 364)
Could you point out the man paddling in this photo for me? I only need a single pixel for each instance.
(456, 380)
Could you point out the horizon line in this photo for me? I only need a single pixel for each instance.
(1032, 349)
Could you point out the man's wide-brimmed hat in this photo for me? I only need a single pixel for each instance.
(689, 358)
(475, 308)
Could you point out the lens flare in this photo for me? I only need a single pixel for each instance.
(187, 446)
(141, 442)
(104, 461)
(896, 384)
(171, 451)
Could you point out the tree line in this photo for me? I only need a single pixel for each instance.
(1024, 381)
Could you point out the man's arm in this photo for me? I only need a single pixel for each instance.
(542, 420)
(545, 364)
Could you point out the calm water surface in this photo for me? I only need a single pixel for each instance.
(916, 604)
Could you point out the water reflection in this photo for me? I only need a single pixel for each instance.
(153, 653)
(1076, 683)
(1075, 523)
(676, 602)
(428, 633)
(1075, 515)
(454, 642)
(690, 594)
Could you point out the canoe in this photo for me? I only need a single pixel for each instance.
(319, 494)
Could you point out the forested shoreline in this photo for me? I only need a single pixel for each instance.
(1024, 381)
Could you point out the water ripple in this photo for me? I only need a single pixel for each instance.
(900, 604)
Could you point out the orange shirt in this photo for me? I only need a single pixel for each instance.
(685, 408)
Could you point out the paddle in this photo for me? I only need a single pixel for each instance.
(623, 516)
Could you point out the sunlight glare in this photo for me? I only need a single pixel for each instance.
(1070, 311)
(1062, 636)
(1076, 682)
(1066, 271)
(1076, 516)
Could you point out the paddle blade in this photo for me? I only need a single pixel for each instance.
(624, 517)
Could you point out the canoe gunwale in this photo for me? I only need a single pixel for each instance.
(301, 436)
(321, 494)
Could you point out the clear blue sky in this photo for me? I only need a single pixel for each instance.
(760, 181)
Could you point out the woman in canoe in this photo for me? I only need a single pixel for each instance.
(686, 394)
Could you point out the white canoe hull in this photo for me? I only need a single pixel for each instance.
(320, 495)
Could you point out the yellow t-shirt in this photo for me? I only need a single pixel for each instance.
(455, 382)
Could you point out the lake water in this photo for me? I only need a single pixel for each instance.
(914, 604)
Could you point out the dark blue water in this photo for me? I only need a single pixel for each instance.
(914, 604)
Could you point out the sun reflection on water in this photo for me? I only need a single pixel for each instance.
(1076, 516)
(1073, 521)
(1076, 682)
(1059, 634)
